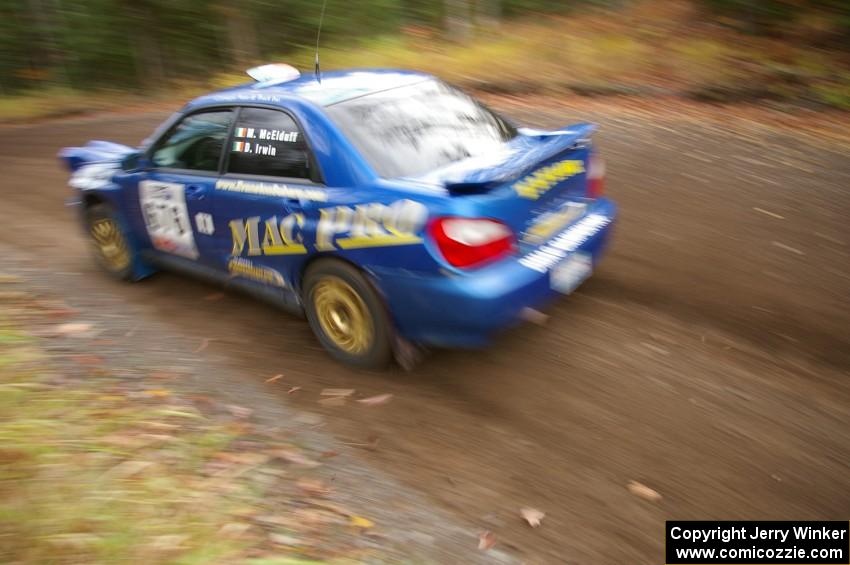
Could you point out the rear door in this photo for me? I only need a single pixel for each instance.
(175, 195)
(270, 185)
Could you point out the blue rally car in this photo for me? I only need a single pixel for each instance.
(393, 210)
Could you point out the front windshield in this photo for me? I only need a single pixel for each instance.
(414, 129)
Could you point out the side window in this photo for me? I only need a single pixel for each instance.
(195, 143)
(269, 143)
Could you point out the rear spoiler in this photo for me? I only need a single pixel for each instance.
(521, 155)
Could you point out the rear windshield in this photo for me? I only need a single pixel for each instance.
(414, 129)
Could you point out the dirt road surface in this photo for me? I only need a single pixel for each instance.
(707, 359)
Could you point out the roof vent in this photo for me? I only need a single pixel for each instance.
(276, 73)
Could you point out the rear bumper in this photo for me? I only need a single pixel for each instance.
(465, 310)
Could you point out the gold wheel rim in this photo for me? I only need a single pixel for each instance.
(110, 244)
(343, 315)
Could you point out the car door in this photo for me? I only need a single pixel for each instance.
(271, 184)
(175, 195)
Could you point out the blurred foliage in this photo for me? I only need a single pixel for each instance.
(55, 49)
(773, 17)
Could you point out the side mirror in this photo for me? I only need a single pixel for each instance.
(134, 161)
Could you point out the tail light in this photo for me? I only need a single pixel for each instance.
(471, 242)
(595, 176)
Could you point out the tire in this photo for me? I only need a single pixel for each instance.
(113, 251)
(347, 315)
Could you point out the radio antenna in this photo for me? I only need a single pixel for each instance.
(318, 71)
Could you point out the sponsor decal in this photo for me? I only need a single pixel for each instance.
(339, 227)
(544, 179)
(370, 225)
(239, 267)
(271, 189)
(255, 149)
(282, 237)
(166, 217)
(204, 223)
(278, 135)
(547, 224)
(545, 257)
(242, 96)
(267, 134)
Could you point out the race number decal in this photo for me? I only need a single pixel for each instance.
(166, 218)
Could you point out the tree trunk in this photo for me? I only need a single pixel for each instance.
(241, 32)
(457, 20)
(149, 66)
(488, 13)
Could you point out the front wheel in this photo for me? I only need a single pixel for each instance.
(347, 315)
(112, 250)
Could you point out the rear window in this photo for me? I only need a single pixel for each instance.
(414, 129)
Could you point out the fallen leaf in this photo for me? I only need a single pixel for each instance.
(158, 392)
(129, 468)
(88, 359)
(308, 418)
(274, 378)
(204, 343)
(215, 296)
(313, 487)
(242, 458)
(769, 213)
(333, 401)
(330, 507)
(171, 542)
(56, 308)
(234, 529)
(376, 400)
(788, 248)
(532, 516)
(337, 392)
(643, 491)
(655, 348)
(76, 541)
(111, 398)
(283, 539)
(293, 390)
(74, 329)
(293, 456)
(361, 522)
(486, 540)
(328, 454)
(239, 411)
(312, 518)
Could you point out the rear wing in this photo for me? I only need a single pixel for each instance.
(521, 155)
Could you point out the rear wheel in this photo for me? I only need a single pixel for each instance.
(112, 249)
(347, 315)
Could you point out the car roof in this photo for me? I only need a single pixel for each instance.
(335, 87)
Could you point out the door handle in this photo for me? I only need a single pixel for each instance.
(293, 203)
(195, 191)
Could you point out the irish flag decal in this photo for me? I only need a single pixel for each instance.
(244, 132)
(241, 147)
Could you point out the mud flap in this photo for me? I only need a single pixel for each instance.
(407, 354)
